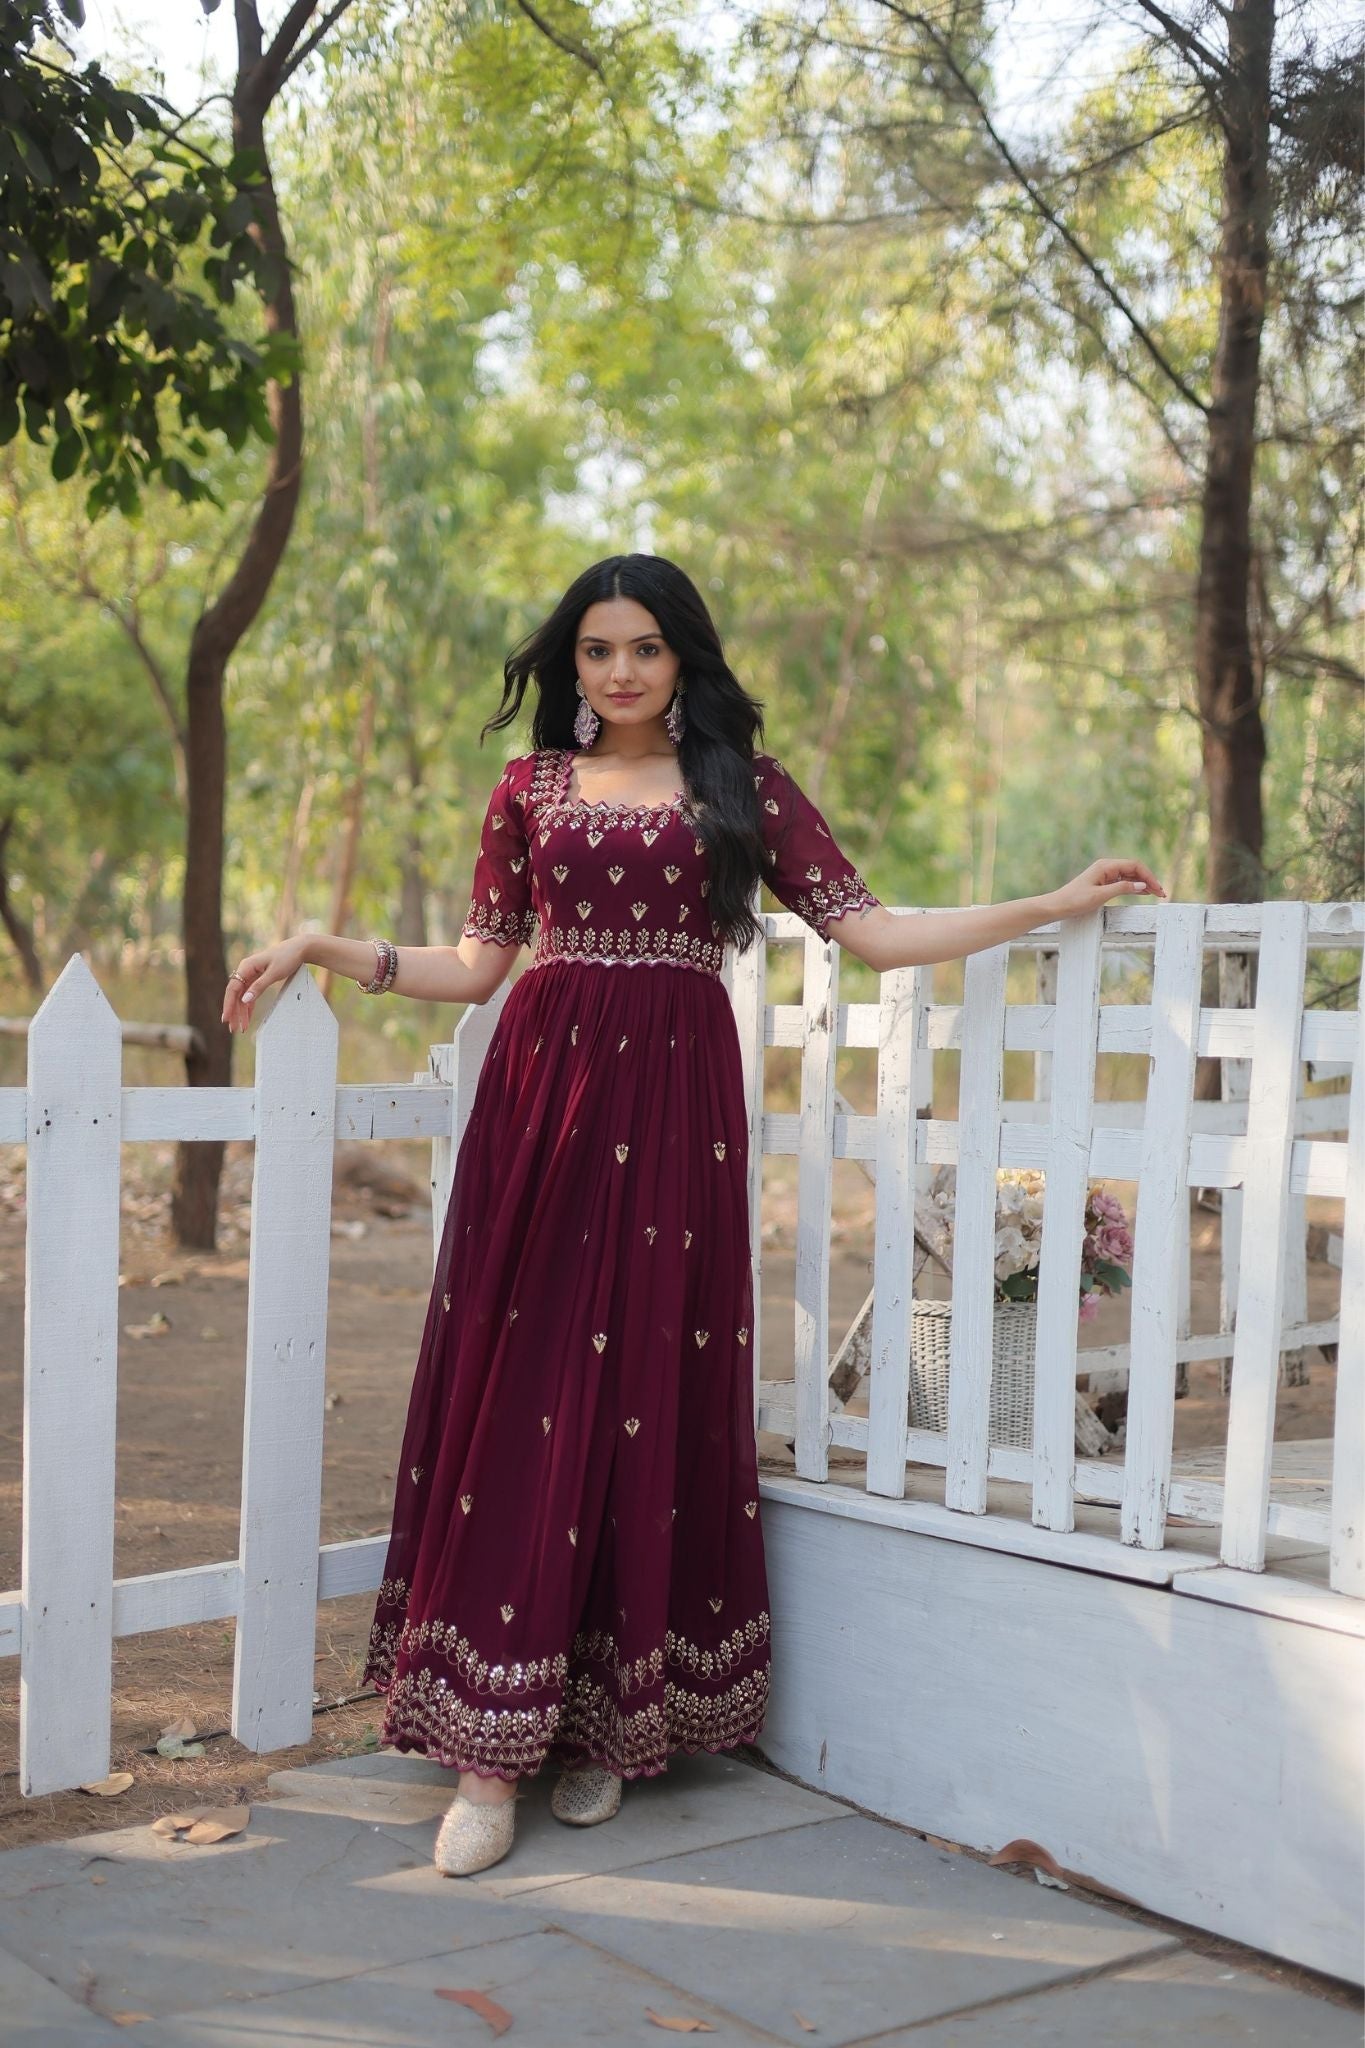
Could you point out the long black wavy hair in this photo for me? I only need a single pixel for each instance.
(722, 721)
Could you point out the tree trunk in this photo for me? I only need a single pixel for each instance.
(218, 632)
(19, 929)
(1233, 734)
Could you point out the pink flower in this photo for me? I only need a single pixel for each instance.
(1114, 1241)
(1090, 1307)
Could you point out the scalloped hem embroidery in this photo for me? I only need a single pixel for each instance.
(426, 1715)
(566, 1752)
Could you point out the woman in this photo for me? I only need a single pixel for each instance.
(576, 1564)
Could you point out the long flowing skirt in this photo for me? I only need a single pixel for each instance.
(576, 1566)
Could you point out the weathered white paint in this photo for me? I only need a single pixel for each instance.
(1161, 1228)
(1348, 1459)
(1203, 1759)
(286, 1351)
(75, 1052)
(900, 1082)
(973, 1294)
(1067, 1169)
(1260, 1287)
(1123, 1027)
(814, 1199)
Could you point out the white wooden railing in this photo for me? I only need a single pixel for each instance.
(75, 1114)
(1263, 1145)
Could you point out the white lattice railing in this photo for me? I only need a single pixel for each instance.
(75, 1114)
(1264, 1145)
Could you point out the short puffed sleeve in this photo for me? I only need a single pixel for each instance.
(805, 868)
(500, 907)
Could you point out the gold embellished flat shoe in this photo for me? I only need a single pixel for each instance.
(585, 1797)
(474, 1834)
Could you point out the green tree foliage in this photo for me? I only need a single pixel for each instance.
(122, 246)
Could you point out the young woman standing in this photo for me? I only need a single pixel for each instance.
(576, 1563)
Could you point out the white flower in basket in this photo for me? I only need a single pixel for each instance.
(1106, 1268)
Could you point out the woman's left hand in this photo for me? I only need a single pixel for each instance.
(1101, 880)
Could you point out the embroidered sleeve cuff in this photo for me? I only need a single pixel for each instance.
(834, 899)
(502, 928)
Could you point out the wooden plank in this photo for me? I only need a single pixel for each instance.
(272, 1694)
(194, 1593)
(1261, 1249)
(748, 977)
(409, 1110)
(1005, 1534)
(814, 1198)
(1270, 1593)
(900, 1082)
(1161, 1228)
(71, 1263)
(11, 1623)
(1348, 1459)
(441, 1068)
(1229, 924)
(1234, 1081)
(1318, 1165)
(1029, 1027)
(1068, 1179)
(971, 1342)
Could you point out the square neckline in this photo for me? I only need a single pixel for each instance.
(568, 755)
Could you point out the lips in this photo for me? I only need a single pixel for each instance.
(624, 696)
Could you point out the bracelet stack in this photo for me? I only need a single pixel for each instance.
(385, 968)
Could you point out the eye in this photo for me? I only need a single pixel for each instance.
(650, 648)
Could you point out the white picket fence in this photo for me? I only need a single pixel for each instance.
(75, 1114)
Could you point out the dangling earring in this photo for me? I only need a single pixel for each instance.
(675, 718)
(586, 724)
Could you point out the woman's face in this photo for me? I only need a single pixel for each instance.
(627, 668)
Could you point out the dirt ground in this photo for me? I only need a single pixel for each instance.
(180, 1403)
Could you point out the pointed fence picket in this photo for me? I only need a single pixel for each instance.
(1271, 1148)
(70, 1384)
(286, 1369)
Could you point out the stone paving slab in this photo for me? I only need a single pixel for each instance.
(295, 1899)
(699, 1803)
(1162, 2002)
(560, 1993)
(719, 1892)
(860, 1926)
(35, 2014)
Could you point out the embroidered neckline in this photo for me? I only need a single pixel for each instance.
(560, 798)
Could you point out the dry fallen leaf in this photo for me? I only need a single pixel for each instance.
(205, 1823)
(110, 1787)
(497, 2016)
(801, 2021)
(1032, 1853)
(219, 1823)
(129, 2019)
(1040, 1859)
(941, 1842)
(171, 1823)
(676, 2025)
(184, 1728)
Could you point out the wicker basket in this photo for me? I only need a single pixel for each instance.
(1015, 1342)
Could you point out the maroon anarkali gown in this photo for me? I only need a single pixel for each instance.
(576, 1565)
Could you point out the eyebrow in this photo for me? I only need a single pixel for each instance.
(590, 637)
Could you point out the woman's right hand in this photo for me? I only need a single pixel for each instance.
(256, 973)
